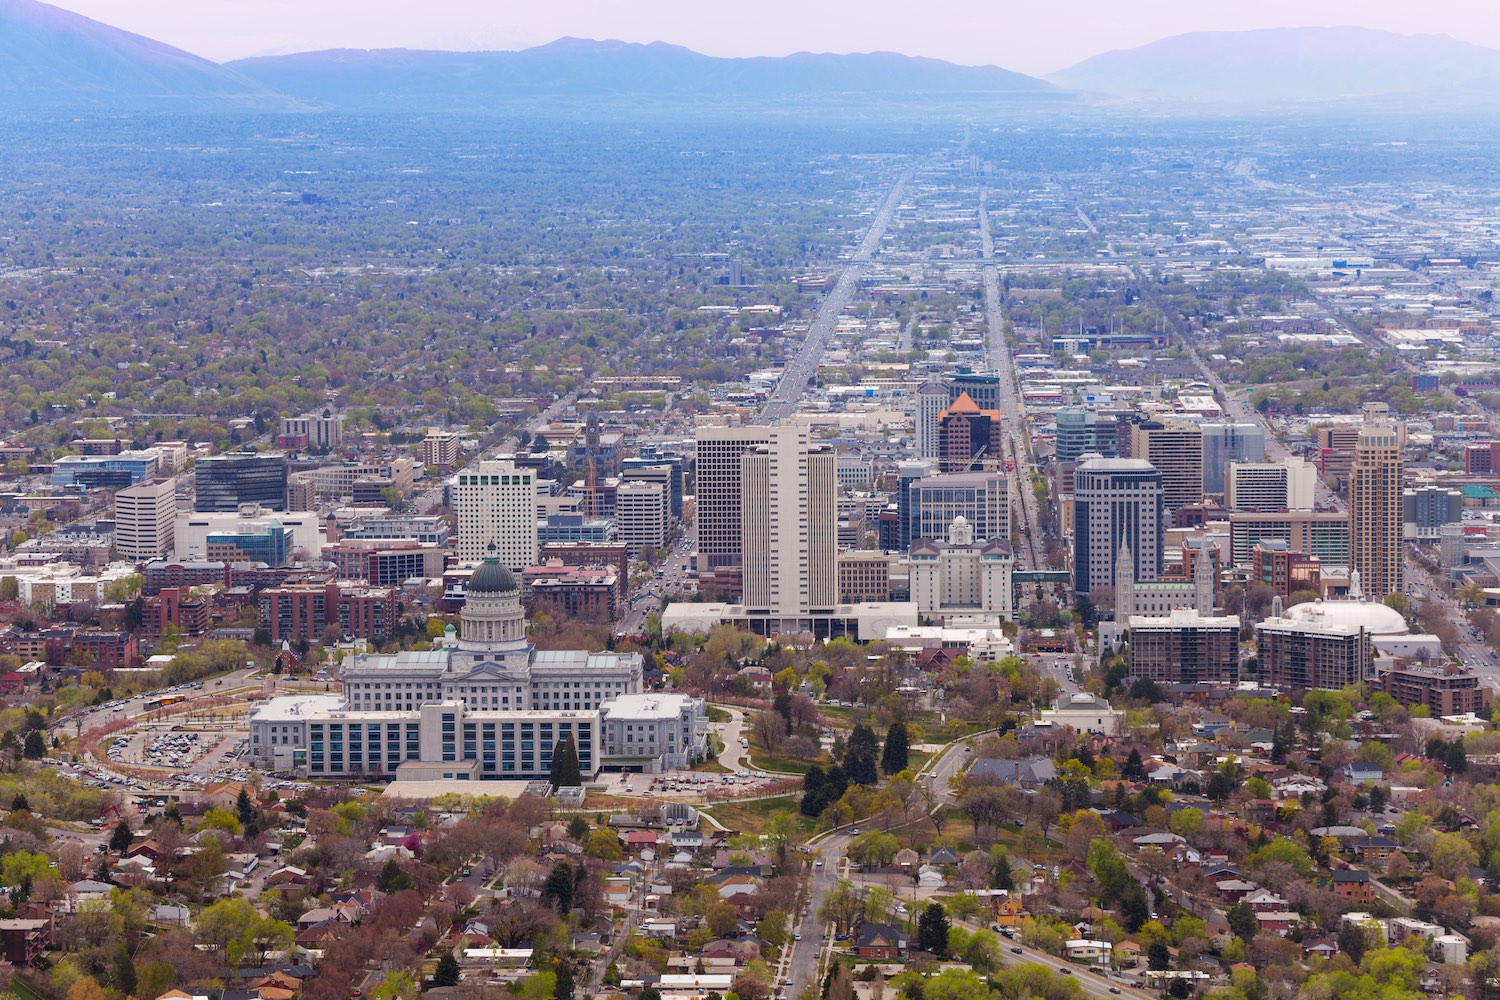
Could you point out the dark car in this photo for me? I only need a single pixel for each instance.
(1015, 951)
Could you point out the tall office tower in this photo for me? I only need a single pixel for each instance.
(1175, 448)
(717, 491)
(496, 506)
(969, 436)
(1116, 500)
(789, 512)
(1224, 443)
(982, 499)
(908, 473)
(982, 387)
(223, 482)
(1375, 511)
(1268, 487)
(1085, 432)
(641, 513)
(652, 468)
(145, 516)
(932, 400)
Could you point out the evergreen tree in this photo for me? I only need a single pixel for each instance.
(447, 973)
(1177, 989)
(563, 989)
(1158, 958)
(1134, 767)
(1242, 921)
(558, 889)
(1000, 873)
(123, 971)
(120, 838)
(243, 810)
(859, 756)
(565, 770)
(897, 754)
(10, 743)
(19, 803)
(36, 747)
(932, 930)
(578, 828)
(392, 878)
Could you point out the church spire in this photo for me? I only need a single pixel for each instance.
(1203, 580)
(1124, 582)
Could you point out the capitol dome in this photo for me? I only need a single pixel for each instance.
(492, 578)
(1377, 619)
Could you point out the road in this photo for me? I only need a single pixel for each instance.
(808, 953)
(730, 732)
(1012, 406)
(801, 369)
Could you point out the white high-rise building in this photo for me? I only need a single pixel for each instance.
(145, 519)
(1268, 487)
(496, 503)
(789, 525)
(641, 514)
(932, 400)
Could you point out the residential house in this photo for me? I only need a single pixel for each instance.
(1009, 910)
(1353, 885)
(1265, 901)
(879, 941)
(1089, 952)
(1034, 772)
(1376, 851)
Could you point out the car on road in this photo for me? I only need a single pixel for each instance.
(1115, 990)
(1066, 972)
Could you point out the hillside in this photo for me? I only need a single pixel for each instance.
(52, 58)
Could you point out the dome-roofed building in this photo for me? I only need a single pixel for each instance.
(1374, 618)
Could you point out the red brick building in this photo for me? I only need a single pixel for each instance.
(306, 611)
(173, 607)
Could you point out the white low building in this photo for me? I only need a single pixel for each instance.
(987, 645)
(1085, 713)
(485, 706)
(655, 732)
(864, 622)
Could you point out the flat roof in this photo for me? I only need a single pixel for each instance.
(433, 789)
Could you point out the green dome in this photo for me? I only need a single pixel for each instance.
(492, 578)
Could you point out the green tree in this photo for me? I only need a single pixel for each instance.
(120, 837)
(447, 972)
(565, 771)
(859, 756)
(932, 930)
(578, 828)
(897, 753)
(1242, 921)
(243, 810)
(558, 889)
(392, 879)
(1158, 958)
(563, 988)
(35, 746)
(122, 971)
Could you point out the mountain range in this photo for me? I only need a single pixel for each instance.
(1287, 64)
(54, 60)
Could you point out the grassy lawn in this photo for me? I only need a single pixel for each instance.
(752, 817)
(717, 714)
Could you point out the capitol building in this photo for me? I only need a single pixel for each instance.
(485, 705)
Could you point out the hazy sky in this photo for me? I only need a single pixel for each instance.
(1025, 35)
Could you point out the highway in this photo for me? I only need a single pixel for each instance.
(801, 369)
